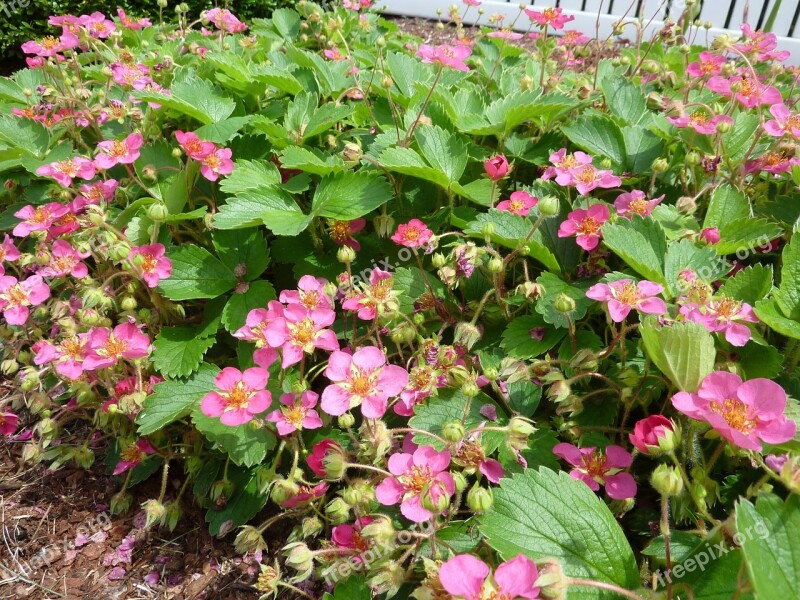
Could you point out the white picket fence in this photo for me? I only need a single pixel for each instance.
(725, 15)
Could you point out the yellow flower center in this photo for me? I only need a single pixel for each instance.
(415, 481)
(303, 333)
(131, 454)
(736, 414)
(40, 215)
(470, 454)
(112, 347)
(628, 294)
(16, 295)
(728, 307)
(595, 465)
(73, 347)
(586, 175)
(295, 415)
(588, 226)
(340, 232)
(119, 149)
(361, 385)
(49, 42)
(638, 206)
(238, 397)
(699, 117)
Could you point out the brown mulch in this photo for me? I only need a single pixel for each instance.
(432, 33)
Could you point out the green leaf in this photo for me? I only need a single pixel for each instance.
(552, 287)
(642, 147)
(173, 399)
(244, 504)
(245, 298)
(406, 71)
(286, 22)
(242, 250)
(721, 576)
(196, 273)
(759, 361)
(788, 294)
(546, 514)
(324, 118)
(727, 204)
(179, 350)
(409, 162)
(277, 78)
(745, 235)
(247, 445)
(625, 99)
(223, 131)
(354, 587)
(524, 397)
(195, 97)
(600, 136)
(770, 313)
(519, 343)
(684, 352)
(410, 284)
(311, 161)
(740, 137)
(27, 135)
(449, 405)
(349, 195)
(771, 532)
(268, 205)
(687, 255)
(250, 175)
(681, 545)
(641, 243)
(749, 285)
(443, 151)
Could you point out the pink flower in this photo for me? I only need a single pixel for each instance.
(299, 332)
(136, 76)
(745, 414)
(785, 122)
(700, 121)
(521, 203)
(322, 455)
(594, 468)
(68, 355)
(775, 162)
(572, 37)
(464, 576)
(470, 455)
(93, 193)
(195, 148)
(588, 177)
(16, 297)
(8, 423)
(414, 234)
(132, 23)
(496, 167)
(549, 17)
(97, 25)
(153, 264)
(710, 235)
(361, 379)
(756, 41)
(50, 45)
(563, 164)
(445, 56)
(40, 218)
(424, 471)
(224, 20)
(8, 251)
(624, 295)
(117, 152)
(106, 347)
(654, 435)
(133, 455)
(506, 34)
(376, 298)
(242, 395)
(216, 164)
(296, 414)
(585, 224)
(256, 323)
(357, 5)
(333, 54)
(708, 65)
(65, 171)
(65, 260)
(348, 537)
(310, 295)
(472, 2)
(723, 315)
(747, 91)
(635, 203)
(306, 495)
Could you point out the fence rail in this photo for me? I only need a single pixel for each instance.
(724, 15)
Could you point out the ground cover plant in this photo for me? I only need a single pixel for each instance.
(472, 321)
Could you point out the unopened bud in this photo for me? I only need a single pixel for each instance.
(666, 480)
(480, 499)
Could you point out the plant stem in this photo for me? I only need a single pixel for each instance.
(665, 533)
(604, 586)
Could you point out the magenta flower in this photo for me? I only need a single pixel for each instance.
(361, 379)
(700, 121)
(40, 218)
(257, 321)
(413, 234)
(342, 232)
(469, 454)
(445, 56)
(496, 167)
(153, 264)
(65, 171)
(296, 414)
(305, 495)
(348, 537)
(224, 20)
(594, 468)
(132, 456)
(97, 25)
(747, 91)
(756, 42)
(135, 76)
(310, 295)
(106, 347)
(710, 235)
(588, 177)
(68, 355)
(624, 295)
(423, 472)
(241, 396)
(635, 203)
(299, 332)
(774, 161)
(8, 251)
(322, 455)
(51, 45)
(17, 296)
(654, 435)
(65, 260)
(723, 315)
(216, 164)
(572, 37)
(116, 152)
(745, 414)
(585, 224)
(376, 298)
(564, 164)
(549, 17)
(506, 34)
(708, 65)
(464, 576)
(195, 148)
(98, 191)
(520, 203)
(785, 123)
(8, 423)
(134, 24)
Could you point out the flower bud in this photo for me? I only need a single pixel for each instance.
(154, 512)
(311, 527)
(121, 503)
(438, 260)
(128, 303)
(488, 230)
(249, 539)
(161, 3)
(384, 225)
(345, 255)
(346, 421)
(338, 510)
(564, 303)
(469, 388)
(724, 127)
(655, 436)
(269, 578)
(157, 212)
(435, 498)
(220, 491)
(119, 251)
(666, 480)
(466, 334)
(693, 158)
(381, 530)
(9, 366)
(283, 490)
(460, 481)
(710, 235)
(388, 579)
(495, 265)
(453, 431)
(480, 499)
(496, 167)
(552, 581)
(300, 558)
(660, 165)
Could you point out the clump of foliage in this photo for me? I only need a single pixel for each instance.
(475, 321)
